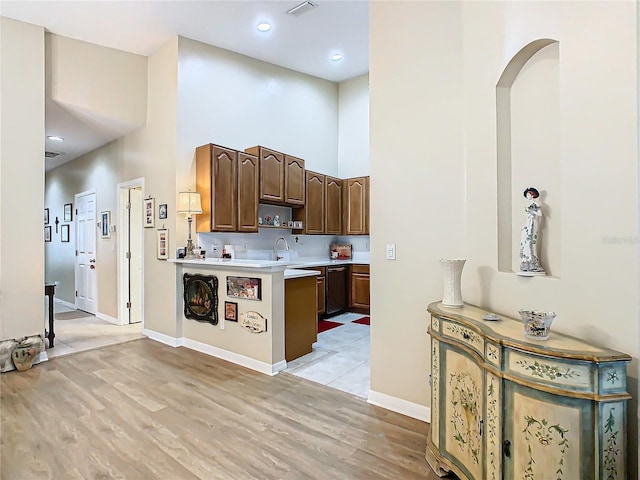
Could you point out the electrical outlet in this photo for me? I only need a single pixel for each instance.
(391, 251)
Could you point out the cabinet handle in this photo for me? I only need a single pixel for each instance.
(481, 427)
(466, 336)
(506, 448)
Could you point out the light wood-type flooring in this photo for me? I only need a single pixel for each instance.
(143, 410)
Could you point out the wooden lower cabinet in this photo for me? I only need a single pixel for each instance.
(503, 407)
(359, 289)
(300, 318)
(321, 299)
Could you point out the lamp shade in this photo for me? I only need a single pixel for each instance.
(189, 203)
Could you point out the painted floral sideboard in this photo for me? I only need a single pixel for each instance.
(504, 407)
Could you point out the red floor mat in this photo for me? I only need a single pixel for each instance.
(324, 325)
(362, 321)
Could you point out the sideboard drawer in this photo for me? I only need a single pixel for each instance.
(464, 335)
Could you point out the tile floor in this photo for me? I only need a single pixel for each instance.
(340, 357)
(86, 332)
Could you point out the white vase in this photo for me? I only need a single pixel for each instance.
(452, 282)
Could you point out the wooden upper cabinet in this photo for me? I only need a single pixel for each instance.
(356, 206)
(216, 181)
(248, 192)
(271, 174)
(314, 209)
(333, 206)
(294, 181)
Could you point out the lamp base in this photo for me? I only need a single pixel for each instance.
(189, 250)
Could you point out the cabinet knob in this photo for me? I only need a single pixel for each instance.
(481, 427)
(506, 448)
(466, 336)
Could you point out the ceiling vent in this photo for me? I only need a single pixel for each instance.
(51, 154)
(302, 8)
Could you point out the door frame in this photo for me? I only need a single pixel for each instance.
(75, 258)
(123, 313)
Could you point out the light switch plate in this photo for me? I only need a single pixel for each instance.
(391, 251)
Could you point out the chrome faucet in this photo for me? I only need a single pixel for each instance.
(275, 248)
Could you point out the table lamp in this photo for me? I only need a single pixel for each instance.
(189, 204)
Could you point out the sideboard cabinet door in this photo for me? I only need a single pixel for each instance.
(462, 409)
(547, 434)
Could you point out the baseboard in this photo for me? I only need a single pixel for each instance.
(108, 318)
(410, 409)
(236, 358)
(66, 304)
(161, 337)
(242, 360)
(42, 357)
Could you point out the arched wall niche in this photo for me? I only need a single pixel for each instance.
(528, 152)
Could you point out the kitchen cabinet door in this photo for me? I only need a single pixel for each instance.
(356, 206)
(359, 295)
(248, 192)
(271, 174)
(333, 206)
(314, 208)
(216, 181)
(294, 181)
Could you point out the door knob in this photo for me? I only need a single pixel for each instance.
(92, 266)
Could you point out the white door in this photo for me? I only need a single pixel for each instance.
(135, 255)
(86, 285)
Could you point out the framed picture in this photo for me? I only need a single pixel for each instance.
(244, 287)
(64, 233)
(162, 211)
(163, 243)
(148, 210)
(46, 216)
(68, 213)
(231, 311)
(200, 296)
(105, 221)
(47, 234)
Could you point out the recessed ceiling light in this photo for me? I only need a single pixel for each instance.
(336, 57)
(55, 139)
(263, 27)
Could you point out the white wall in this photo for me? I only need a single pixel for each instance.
(417, 182)
(21, 179)
(102, 86)
(437, 114)
(353, 128)
(238, 102)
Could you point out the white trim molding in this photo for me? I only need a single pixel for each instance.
(108, 318)
(161, 337)
(66, 304)
(238, 359)
(395, 404)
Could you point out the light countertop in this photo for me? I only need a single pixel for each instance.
(290, 273)
(270, 265)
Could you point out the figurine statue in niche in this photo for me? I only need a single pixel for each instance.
(530, 239)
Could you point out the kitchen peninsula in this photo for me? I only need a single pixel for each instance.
(263, 351)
